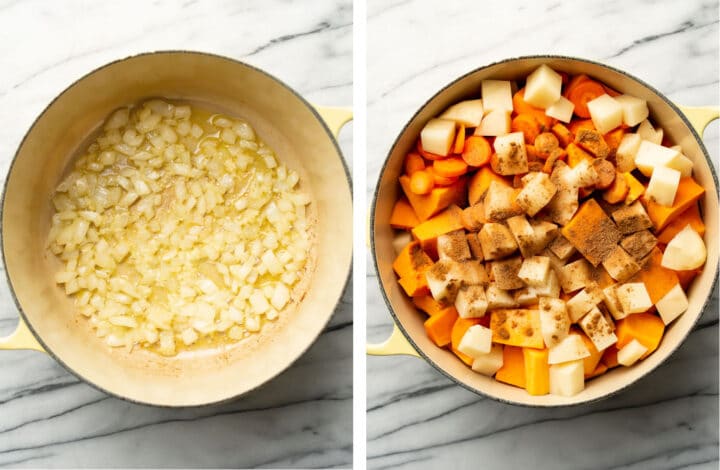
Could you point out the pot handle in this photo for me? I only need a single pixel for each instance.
(21, 338)
(700, 116)
(335, 117)
(395, 345)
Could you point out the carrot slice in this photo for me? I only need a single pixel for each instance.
(583, 92)
(413, 162)
(450, 167)
(617, 191)
(459, 140)
(476, 151)
(428, 155)
(521, 106)
(528, 125)
(563, 134)
(576, 80)
(439, 179)
(421, 182)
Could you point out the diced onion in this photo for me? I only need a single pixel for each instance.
(173, 228)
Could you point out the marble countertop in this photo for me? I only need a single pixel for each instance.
(50, 419)
(418, 419)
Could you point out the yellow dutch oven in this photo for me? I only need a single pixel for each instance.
(683, 125)
(302, 136)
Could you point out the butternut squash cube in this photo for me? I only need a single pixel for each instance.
(517, 327)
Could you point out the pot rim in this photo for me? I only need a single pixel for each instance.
(373, 207)
(21, 311)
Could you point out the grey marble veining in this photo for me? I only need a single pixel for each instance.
(50, 419)
(418, 419)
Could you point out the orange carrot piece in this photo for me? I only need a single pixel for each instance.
(413, 162)
(458, 331)
(427, 304)
(577, 79)
(691, 216)
(439, 327)
(563, 134)
(476, 151)
(450, 167)
(513, 369)
(559, 154)
(581, 93)
(403, 216)
(532, 153)
(576, 154)
(617, 191)
(658, 279)
(427, 205)
(440, 180)
(459, 140)
(427, 155)
(647, 328)
(421, 182)
(635, 188)
(688, 192)
(411, 261)
(537, 371)
(528, 125)
(611, 91)
(480, 182)
(520, 106)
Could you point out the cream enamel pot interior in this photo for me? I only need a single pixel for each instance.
(408, 336)
(303, 137)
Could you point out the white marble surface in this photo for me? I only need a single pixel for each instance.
(418, 419)
(50, 419)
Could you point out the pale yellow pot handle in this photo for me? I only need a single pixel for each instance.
(395, 345)
(21, 338)
(334, 117)
(700, 116)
